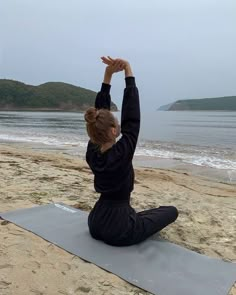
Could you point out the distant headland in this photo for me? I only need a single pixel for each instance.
(226, 103)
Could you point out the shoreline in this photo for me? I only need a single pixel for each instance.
(208, 173)
(206, 222)
(48, 110)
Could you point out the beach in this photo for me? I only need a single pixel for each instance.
(31, 265)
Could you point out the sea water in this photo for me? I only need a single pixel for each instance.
(201, 141)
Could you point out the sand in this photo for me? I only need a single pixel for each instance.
(30, 265)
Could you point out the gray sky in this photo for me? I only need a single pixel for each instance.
(178, 49)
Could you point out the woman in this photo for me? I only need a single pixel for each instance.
(112, 219)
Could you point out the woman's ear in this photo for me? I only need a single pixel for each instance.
(113, 131)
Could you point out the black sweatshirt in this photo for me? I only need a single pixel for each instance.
(113, 170)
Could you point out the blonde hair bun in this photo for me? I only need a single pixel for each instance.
(90, 115)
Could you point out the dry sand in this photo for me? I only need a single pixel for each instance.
(30, 265)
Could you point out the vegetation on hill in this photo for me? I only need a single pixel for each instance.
(56, 96)
(227, 103)
(165, 107)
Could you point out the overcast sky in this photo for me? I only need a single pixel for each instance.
(178, 49)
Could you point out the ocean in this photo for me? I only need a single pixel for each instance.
(201, 142)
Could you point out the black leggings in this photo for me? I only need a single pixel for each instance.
(118, 224)
(154, 220)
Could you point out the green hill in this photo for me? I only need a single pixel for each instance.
(227, 103)
(51, 96)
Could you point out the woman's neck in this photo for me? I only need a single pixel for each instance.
(107, 146)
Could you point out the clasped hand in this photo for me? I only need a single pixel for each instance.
(114, 65)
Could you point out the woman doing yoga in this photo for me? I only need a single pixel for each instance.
(112, 219)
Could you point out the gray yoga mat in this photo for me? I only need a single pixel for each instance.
(157, 266)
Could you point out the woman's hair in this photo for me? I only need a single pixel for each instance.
(98, 124)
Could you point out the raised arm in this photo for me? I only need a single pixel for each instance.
(130, 112)
(103, 98)
(130, 117)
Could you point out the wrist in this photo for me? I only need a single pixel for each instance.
(128, 71)
(108, 71)
(107, 77)
(127, 65)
